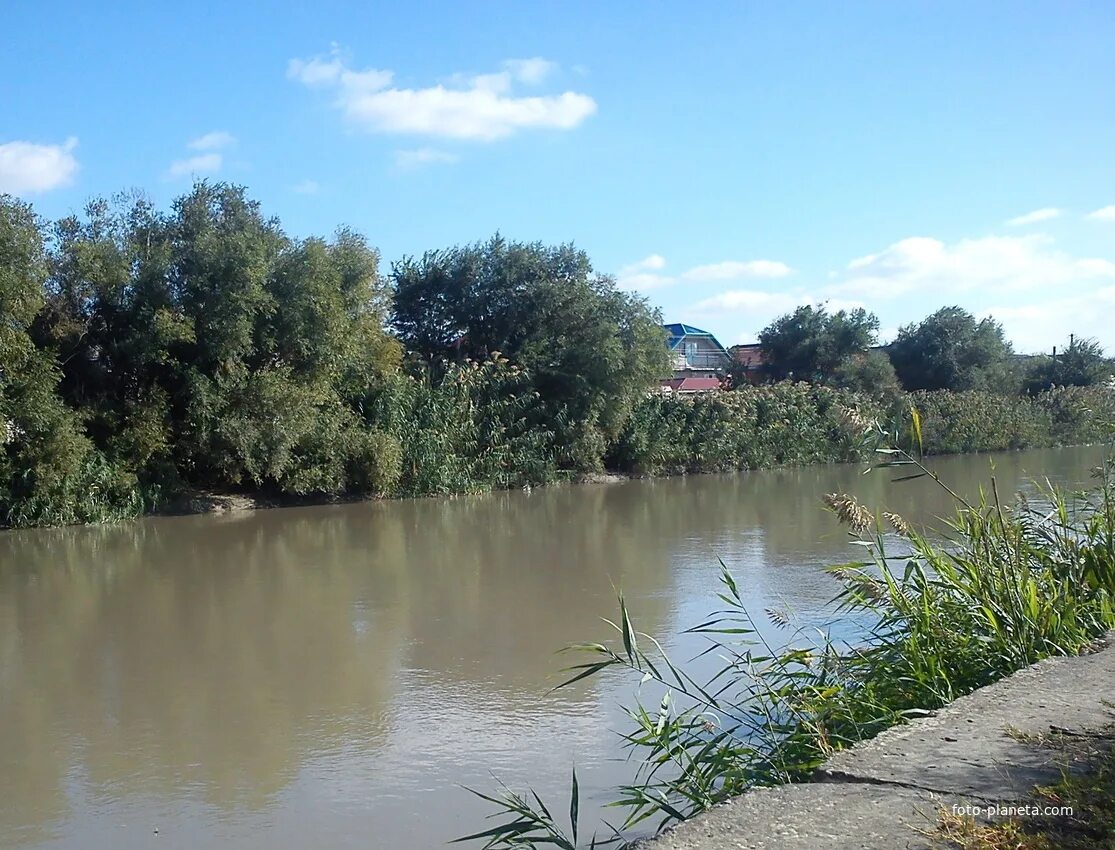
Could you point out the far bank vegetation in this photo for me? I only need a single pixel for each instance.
(146, 355)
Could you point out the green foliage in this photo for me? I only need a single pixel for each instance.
(973, 421)
(375, 463)
(1081, 364)
(950, 350)
(958, 422)
(267, 429)
(50, 473)
(871, 373)
(532, 823)
(203, 348)
(789, 424)
(476, 428)
(1079, 414)
(591, 351)
(811, 343)
(748, 428)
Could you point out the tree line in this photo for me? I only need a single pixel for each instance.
(148, 356)
(948, 350)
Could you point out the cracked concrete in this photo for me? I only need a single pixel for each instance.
(885, 793)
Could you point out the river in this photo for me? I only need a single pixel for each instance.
(329, 677)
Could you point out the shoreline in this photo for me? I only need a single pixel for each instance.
(212, 502)
(201, 502)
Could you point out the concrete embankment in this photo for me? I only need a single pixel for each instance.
(983, 749)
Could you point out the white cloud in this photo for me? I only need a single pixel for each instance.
(1103, 214)
(1039, 291)
(332, 72)
(644, 281)
(206, 163)
(1044, 214)
(736, 270)
(1038, 326)
(530, 71)
(209, 161)
(409, 160)
(993, 264)
(645, 275)
(759, 307)
(306, 187)
(27, 168)
(750, 300)
(213, 141)
(653, 263)
(480, 107)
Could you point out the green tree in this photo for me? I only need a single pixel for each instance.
(810, 343)
(591, 350)
(289, 337)
(49, 470)
(209, 349)
(1081, 364)
(951, 350)
(869, 372)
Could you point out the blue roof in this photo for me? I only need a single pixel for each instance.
(679, 331)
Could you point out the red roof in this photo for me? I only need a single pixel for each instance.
(692, 385)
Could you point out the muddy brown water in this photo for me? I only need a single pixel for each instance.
(332, 676)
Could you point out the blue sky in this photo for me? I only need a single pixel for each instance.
(728, 160)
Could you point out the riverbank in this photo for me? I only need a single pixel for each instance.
(475, 432)
(990, 748)
(482, 430)
(223, 503)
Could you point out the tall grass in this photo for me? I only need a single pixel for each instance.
(96, 491)
(479, 427)
(787, 423)
(931, 619)
(748, 428)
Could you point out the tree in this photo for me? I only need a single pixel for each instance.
(1081, 364)
(49, 470)
(870, 372)
(950, 350)
(208, 348)
(810, 343)
(592, 351)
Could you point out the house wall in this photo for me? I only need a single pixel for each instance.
(698, 355)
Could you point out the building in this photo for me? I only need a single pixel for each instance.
(699, 362)
(749, 360)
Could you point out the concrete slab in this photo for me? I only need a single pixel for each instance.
(964, 748)
(812, 817)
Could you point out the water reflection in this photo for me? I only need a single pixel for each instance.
(320, 676)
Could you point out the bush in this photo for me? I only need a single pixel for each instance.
(375, 463)
(747, 428)
(476, 428)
